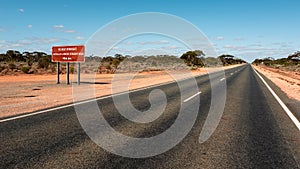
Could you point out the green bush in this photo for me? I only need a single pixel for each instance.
(72, 69)
(44, 62)
(25, 69)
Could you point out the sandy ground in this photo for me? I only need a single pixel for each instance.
(287, 81)
(23, 93)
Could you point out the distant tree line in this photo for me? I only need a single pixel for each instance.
(293, 59)
(196, 58)
(31, 61)
(43, 59)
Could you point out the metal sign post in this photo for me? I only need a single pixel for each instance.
(68, 73)
(78, 73)
(58, 71)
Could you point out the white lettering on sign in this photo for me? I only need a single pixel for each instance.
(67, 49)
(66, 58)
(67, 54)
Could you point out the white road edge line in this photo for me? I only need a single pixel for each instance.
(190, 98)
(45, 111)
(222, 79)
(285, 108)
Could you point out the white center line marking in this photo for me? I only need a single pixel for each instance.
(188, 99)
(222, 79)
(285, 108)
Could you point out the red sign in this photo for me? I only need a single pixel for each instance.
(68, 53)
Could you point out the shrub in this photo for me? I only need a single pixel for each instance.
(44, 62)
(116, 62)
(108, 67)
(72, 69)
(25, 69)
(12, 66)
(30, 61)
(2, 68)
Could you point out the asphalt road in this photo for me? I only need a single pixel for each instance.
(254, 132)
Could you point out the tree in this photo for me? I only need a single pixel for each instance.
(10, 54)
(294, 57)
(192, 58)
(230, 60)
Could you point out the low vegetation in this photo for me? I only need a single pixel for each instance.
(292, 62)
(197, 58)
(25, 69)
(12, 62)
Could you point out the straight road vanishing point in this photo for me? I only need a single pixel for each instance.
(128, 59)
(255, 131)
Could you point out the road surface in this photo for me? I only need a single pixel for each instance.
(254, 132)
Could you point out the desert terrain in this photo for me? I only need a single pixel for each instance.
(24, 93)
(288, 81)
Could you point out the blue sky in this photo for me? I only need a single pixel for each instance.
(246, 29)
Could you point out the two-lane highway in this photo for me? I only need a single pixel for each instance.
(254, 131)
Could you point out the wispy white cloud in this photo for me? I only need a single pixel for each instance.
(172, 47)
(220, 38)
(39, 40)
(128, 43)
(58, 26)
(25, 42)
(21, 10)
(115, 48)
(68, 31)
(29, 26)
(29, 43)
(239, 39)
(163, 50)
(256, 45)
(154, 42)
(164, 42)
(79, 38)
(149, 52)
(283, 44)
(16, 45)
(258, 50)
(119, 50)
(7, 45)
(247, 48)
(127, 29)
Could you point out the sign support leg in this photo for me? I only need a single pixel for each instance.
(58, 65)
(78, 71)
(68, 73)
